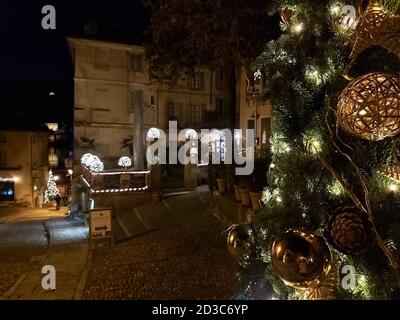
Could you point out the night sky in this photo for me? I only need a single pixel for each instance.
(34, 61)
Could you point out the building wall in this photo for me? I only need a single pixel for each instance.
(254, 109)
(25, 162)
(107, 79)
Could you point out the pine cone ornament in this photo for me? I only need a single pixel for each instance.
(350, 231)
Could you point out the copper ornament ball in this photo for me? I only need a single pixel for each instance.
(240, 243)
(369, 107)
(302, 260)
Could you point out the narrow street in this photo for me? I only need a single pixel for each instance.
(33, 238)
(174, 249)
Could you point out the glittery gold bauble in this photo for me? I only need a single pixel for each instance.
(302, 260)
(326, 290)
(240, 243)
(376, 27)
(369, 107)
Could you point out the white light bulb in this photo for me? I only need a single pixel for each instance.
(298, 27)
(335, 9)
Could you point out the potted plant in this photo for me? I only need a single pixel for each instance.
(244, 192)
(228, 169)
(236, 189)
(221, 179)
(258, 182)
(255, 194)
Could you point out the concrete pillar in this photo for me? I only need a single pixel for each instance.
(138, 145)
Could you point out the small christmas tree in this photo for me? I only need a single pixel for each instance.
(52, 190)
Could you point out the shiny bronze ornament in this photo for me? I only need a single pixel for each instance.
(302, 260)
(376, 27)
(240, 243)
(369, 107)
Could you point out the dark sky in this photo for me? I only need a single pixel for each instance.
(34, 61)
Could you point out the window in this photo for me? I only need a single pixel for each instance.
(195, 114)
(265, 133)
(219, 78)
(173, 111)
(7, 191)
(250, 124)
(152, 100)
(137, 62)
(197, 81)
(102, 59)
(219, 105)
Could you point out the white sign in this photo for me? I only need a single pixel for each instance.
(100, 224)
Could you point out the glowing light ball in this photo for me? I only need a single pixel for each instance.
(153, 133)
(125, 162)
(191, 134)
(369, 107)
(96, 166)
(85, 158)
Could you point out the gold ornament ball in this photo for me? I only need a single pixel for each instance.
(369, 107)
(302, 260)
(240, 243)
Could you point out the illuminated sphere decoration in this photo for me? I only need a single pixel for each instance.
(125, 162)
(302, 260)
(85, 159)
(369, 107)
(191, 134)
(96, 166)
(153, 133)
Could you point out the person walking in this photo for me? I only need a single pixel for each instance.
(58, 202)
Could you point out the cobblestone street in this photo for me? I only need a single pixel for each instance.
(182, 256)
(24, 242)
(170, 250)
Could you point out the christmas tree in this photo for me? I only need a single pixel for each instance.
(330, 227)
(52, 190)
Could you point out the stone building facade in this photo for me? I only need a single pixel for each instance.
(113, 79)
(255, 113)
(23, 167)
